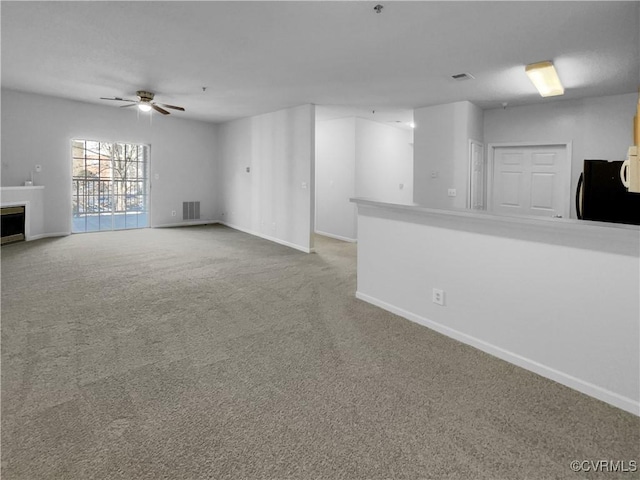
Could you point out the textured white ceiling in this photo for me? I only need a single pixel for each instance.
(257, 57)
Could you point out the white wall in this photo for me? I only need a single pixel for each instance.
(599, 128)
(274, 199)
(359, 158)
(335, 178)
(38, 129)
(562, 300)
(441, 148)
(384, 161)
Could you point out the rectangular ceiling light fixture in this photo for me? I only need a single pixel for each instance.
(545, 78)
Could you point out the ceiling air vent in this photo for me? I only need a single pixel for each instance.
(462, 76)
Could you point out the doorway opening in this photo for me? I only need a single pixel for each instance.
(477, 182)
(110, 186)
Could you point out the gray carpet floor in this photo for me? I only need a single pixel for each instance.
(206, 353)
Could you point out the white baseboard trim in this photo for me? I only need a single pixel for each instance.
(47, 235)
(565, 379)
(185, 224)
(271, 239)
(337, 237)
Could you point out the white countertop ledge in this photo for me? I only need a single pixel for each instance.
(609, 237)
(33, 187)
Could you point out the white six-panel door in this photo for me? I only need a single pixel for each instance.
(530, 180)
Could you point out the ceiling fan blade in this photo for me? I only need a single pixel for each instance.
(171, 106)
(130, 105)
(118, 99)
(158, 109)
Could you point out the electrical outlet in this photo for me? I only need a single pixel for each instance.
(401, 186)
(434, 174)
(173, 213)
(452, 192)
(38, 168)
(438, 296)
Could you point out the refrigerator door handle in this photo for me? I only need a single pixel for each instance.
(579, 196)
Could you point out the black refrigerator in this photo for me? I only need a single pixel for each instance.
(602, 197)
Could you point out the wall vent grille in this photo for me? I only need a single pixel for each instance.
(462, 76)
(191, 210)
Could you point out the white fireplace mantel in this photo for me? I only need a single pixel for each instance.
(21, 189)
(32, 198)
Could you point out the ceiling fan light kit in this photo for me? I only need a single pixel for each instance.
(544, 77)
(145, 103)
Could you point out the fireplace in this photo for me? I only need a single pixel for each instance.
(12, 224)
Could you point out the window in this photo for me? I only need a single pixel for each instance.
(110, 185)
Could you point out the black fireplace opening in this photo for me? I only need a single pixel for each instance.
(12, 228)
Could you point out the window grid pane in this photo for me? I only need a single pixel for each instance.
(109, 185)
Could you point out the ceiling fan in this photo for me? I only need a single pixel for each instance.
(145, 103)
